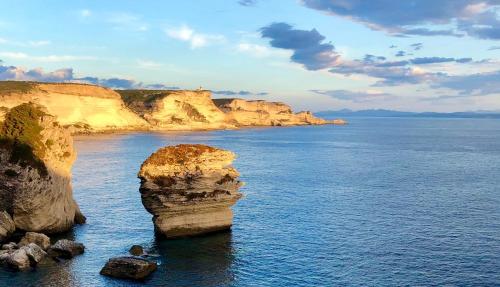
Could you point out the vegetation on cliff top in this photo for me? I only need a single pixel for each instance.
(145, 96)
(22, 87)
(21, 133)
(179, 154)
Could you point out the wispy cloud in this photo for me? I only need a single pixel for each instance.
(48, 58)
(356, 96)
(195, 39)
(238, 93)
(147, 64)
(85, 13)
(128, 21)
(247, 2)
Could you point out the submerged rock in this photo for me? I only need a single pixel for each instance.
(36, 155)
(66, 249)
(136, 250)
(39, 239)
(7, 226)
(128, 268)
(189, 189)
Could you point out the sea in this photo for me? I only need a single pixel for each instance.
(378, 202)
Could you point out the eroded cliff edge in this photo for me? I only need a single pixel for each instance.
(263, 113)
(36, 156)
(176, 109)
(87, 108)
(189, 189)
(84, 108)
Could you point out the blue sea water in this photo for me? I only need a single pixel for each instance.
(380, 202)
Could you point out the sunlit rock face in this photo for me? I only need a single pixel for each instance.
(36, 156)
(190, 189)
(176, 109)
(85, 108)
(262, 113)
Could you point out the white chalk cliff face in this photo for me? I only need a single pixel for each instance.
(176, 109)
(262, 113)
(84, 106)
(36, 156)
(189, 189)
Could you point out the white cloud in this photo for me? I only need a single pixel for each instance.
(39, 43)
(196, 40)
(48, 58)
(260, 51)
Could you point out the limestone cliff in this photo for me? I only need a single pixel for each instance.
(189, 189)
(176, 109)
(86, 108)
(36, 155)
(262, 113)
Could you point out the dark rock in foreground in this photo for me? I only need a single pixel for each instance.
(129, 268)
(66, 249)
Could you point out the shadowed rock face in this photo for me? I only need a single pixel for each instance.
(36, 155)
(189, 189)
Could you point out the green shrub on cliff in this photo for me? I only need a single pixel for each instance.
(20, 133)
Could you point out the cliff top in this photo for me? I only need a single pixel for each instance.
(225, 101)
(184, 158)
(82, 89)
(148, 96)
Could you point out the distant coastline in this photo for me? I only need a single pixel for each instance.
(400, 114)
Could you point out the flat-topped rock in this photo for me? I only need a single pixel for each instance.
(190, 189)
(66, 249)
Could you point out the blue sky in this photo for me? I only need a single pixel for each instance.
(440, 55)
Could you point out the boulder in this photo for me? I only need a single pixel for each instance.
(66, 249)
(36, 156)
(39, 239)
(189, 189)
(129, 268)
(17, 260)
(10, 246)
(136, 250)
(35, 253)
(7, 226)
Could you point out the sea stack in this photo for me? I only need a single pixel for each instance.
(36, 155)
(190, 189)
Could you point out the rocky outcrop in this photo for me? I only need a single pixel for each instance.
(189, 189)
(66, 249)
(129, 268)
(85, 108)
(7, 226)
(262, 113)
(176, 109)
(39, 239)
(36, 155)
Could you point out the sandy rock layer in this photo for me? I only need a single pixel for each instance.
(190, 189)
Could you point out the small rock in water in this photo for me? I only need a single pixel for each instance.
(39, 239)
(136, 250)
(66, 249)
(128, 268)
(9, 246)
(18, 260)
(35, 253)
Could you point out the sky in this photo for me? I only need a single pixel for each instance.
(414, 55)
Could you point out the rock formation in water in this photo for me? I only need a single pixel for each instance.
(189, 189)
(176, 109)
(128, 267)
(85, 108)
(262, 113)
(36, 155)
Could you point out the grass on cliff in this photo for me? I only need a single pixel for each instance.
(21, 134)
(144, 96)
(22, 87)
